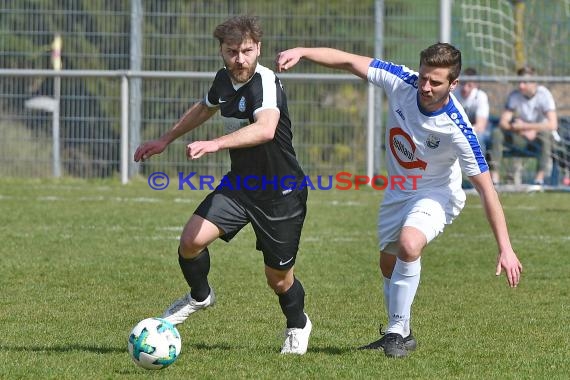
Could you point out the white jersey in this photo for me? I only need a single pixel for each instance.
(435, 146)
(532, 110)
(475, 105)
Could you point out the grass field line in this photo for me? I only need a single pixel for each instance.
(330, 236)
(99, 198)
(194, 200)
(103, 227)
(70, 236)
(529, 237)
(506, 207)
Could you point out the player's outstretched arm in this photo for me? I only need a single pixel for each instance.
(192, 118)
(336, 59)
(507, 259)
(256, 133)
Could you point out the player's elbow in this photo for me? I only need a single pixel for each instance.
(266, 124)
(267, 134)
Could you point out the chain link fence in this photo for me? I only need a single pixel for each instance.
(173, 36)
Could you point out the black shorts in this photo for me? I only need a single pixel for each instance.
(277, 223)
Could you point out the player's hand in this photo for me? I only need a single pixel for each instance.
(509, 262)
(148, 149)
(287, 59)
(199, 148)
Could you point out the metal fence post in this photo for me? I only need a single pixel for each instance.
(124, 129)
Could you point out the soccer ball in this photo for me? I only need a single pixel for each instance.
(154, 343)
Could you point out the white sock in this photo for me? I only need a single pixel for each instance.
(403, 286)
(386, 290)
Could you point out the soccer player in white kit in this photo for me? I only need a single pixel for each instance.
(429, 135)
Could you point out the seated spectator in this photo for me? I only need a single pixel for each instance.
(476, 104)
(527, 122)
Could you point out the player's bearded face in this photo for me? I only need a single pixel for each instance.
(240, 59)
(434, 87)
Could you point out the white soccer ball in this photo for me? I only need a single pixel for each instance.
(154, 343)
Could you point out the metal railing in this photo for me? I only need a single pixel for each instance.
(51, 104)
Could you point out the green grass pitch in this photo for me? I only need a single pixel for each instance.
(81, 262)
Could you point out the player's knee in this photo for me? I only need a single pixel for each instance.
(280, 284)
(189, 248)
(410, 248)
(279, 280)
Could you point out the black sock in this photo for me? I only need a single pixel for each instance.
(292, 303)
(195, 272)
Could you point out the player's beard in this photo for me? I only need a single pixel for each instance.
(239, 73)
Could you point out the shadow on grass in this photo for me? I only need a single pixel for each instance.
(312, 349)
(66, 348)
(330, 350)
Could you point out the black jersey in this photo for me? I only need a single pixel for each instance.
(263, 171)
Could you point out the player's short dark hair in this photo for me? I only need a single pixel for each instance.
(442, 55)
(237, 29)
(470, 71)
(526, 70)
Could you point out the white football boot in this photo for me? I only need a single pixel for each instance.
(297, 340)
(183, 307)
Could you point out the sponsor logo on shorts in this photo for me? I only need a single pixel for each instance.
(281, 262)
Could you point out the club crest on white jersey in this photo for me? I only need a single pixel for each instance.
(432, 142)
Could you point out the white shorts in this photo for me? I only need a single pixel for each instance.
(428, 213)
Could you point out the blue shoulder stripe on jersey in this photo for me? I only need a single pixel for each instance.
(400, 71)
(457, 118)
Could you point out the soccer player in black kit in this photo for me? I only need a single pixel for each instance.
(258, 137)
